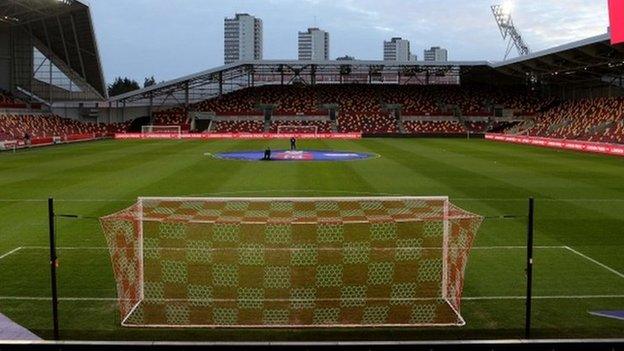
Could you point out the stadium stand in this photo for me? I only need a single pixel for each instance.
(321, 126)
(7, 100)
(172, 117)
(47, 126)
(366, 122)
(477, 127)
(360, 107)
(597, 119)
(431, 127)
(120, 127)
(234, 126)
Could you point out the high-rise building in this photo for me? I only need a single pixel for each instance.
(397, 49)
(314, 45)
(242, 38)
(437, 54)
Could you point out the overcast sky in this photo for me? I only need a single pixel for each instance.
(171, 38)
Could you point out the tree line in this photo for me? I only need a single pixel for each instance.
(122, 85)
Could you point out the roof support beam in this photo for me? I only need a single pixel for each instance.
(567, 57)
(60, 26)
(78, 51)
(26, 13)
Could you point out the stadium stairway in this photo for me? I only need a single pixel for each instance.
(400, 126)
(522, 128)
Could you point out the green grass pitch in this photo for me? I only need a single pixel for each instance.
(579, 227)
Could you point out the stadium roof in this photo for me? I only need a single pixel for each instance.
(590, 61)
(205, 84)
(62, 30)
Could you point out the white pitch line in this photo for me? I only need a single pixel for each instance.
(69, 248)
(11, 252)
(517, 247)
(551, 297)
(72, 248)
(619, 274)
(43, 298)
(606, 315)
(536, 199)
(68, 200)
(316, 191)
(468, 298)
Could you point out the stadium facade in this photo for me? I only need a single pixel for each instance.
(589, 67)
(50, 57)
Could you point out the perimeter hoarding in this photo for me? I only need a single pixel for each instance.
(576, 145)
(198, 136)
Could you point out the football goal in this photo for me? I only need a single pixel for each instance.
(151, 129)
(290, 262)
(297, 130)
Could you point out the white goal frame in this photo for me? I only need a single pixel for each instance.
(445, 241)
(314, 128)
(159, 129)
(444, 279)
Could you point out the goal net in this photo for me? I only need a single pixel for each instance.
(290, 262)
(161, 129)
(297, 130)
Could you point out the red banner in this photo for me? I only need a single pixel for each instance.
(47, 141)
(42, 141)
(198, 136)
(577, 145)
(616, 15)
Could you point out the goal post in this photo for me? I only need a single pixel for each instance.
(290, 262)
(287, 129)
(156, 129)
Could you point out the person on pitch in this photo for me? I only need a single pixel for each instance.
(27, 140)
(293, 144)
(267, 154)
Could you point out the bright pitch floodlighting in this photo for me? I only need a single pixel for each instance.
(502, 15)
(507, 8)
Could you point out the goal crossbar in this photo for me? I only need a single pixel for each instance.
(299, 262)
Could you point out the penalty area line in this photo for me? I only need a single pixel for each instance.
(67, 200)
(619, 274)
(536, 199)
(545, 297)
(11, 252)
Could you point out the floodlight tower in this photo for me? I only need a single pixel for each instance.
(502, 15)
